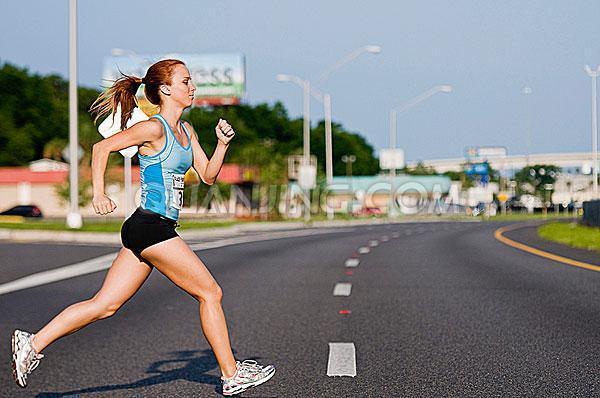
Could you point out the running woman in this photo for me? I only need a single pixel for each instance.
(166, 151)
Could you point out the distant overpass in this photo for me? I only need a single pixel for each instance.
(581, 160)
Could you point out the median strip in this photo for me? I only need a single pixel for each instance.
(498, 234)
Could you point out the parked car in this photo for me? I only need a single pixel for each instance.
(368, 211)
(25, 211)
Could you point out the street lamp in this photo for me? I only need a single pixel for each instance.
(73, 217)
(305, 85)
(444, 88)
(594, 75)
(325, 99)
(527, 91)
(348, 159)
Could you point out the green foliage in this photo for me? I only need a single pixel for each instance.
(85, 192)
(265, 136)
(34, 122)
(531, 179)
(34, 116)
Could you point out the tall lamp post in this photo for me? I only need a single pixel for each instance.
(325, 99)
(73, 217)
(305, 85)
(445, 88)
(527, 91)
(594, 75)
(348, 159)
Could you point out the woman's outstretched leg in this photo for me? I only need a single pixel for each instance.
(125, 276)
(188, 272)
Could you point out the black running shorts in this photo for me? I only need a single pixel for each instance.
(145, 228)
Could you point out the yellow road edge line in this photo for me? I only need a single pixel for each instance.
(498, 234)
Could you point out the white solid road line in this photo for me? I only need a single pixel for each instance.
(259, 238)
(342, 289)
(54, 275)
(352, 262)
(104, 262)
(342, 359)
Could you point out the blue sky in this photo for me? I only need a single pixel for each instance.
(487, 50)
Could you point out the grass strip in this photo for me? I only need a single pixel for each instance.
(571, 234)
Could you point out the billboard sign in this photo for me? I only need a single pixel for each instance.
(485, 153)
(220, 79)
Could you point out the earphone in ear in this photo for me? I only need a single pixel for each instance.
(164, 90)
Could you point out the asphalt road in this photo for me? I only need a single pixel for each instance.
(437, 310)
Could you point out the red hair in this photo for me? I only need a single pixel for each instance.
(124, 89)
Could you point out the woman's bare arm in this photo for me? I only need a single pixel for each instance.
(138, 134)
(208, 170)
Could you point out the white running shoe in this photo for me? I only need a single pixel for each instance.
(24, 357)
(249, 374)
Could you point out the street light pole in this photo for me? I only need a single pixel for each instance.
(309, 90)
(594, 76)
(348, 159)
(306, 129)
(326, 100)
(328, 140)
(306, 124)
(74, 217)
(527, 92)
(444, 88)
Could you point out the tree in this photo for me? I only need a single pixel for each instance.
(533, 179)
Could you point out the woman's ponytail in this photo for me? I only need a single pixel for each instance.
(124, 89)
(121, 92)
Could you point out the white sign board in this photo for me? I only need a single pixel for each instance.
(307, 177)
(220, 79)
(391, 159)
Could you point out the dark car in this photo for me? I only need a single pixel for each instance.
(25, 211)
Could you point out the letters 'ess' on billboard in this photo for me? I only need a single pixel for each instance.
(220, 79)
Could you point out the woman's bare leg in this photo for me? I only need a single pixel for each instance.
(188, 272)
(125, 276)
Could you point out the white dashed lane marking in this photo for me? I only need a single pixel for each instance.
(364, 250)
(352, 262)
(342, 360)
(342, 289)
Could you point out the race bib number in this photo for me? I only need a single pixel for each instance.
(177, 191)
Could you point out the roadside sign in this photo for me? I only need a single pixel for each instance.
(391, 158)
(307, 177)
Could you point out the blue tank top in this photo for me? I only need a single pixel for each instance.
(161, 174)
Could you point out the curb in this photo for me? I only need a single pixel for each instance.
(498, 234)
(114, 238)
